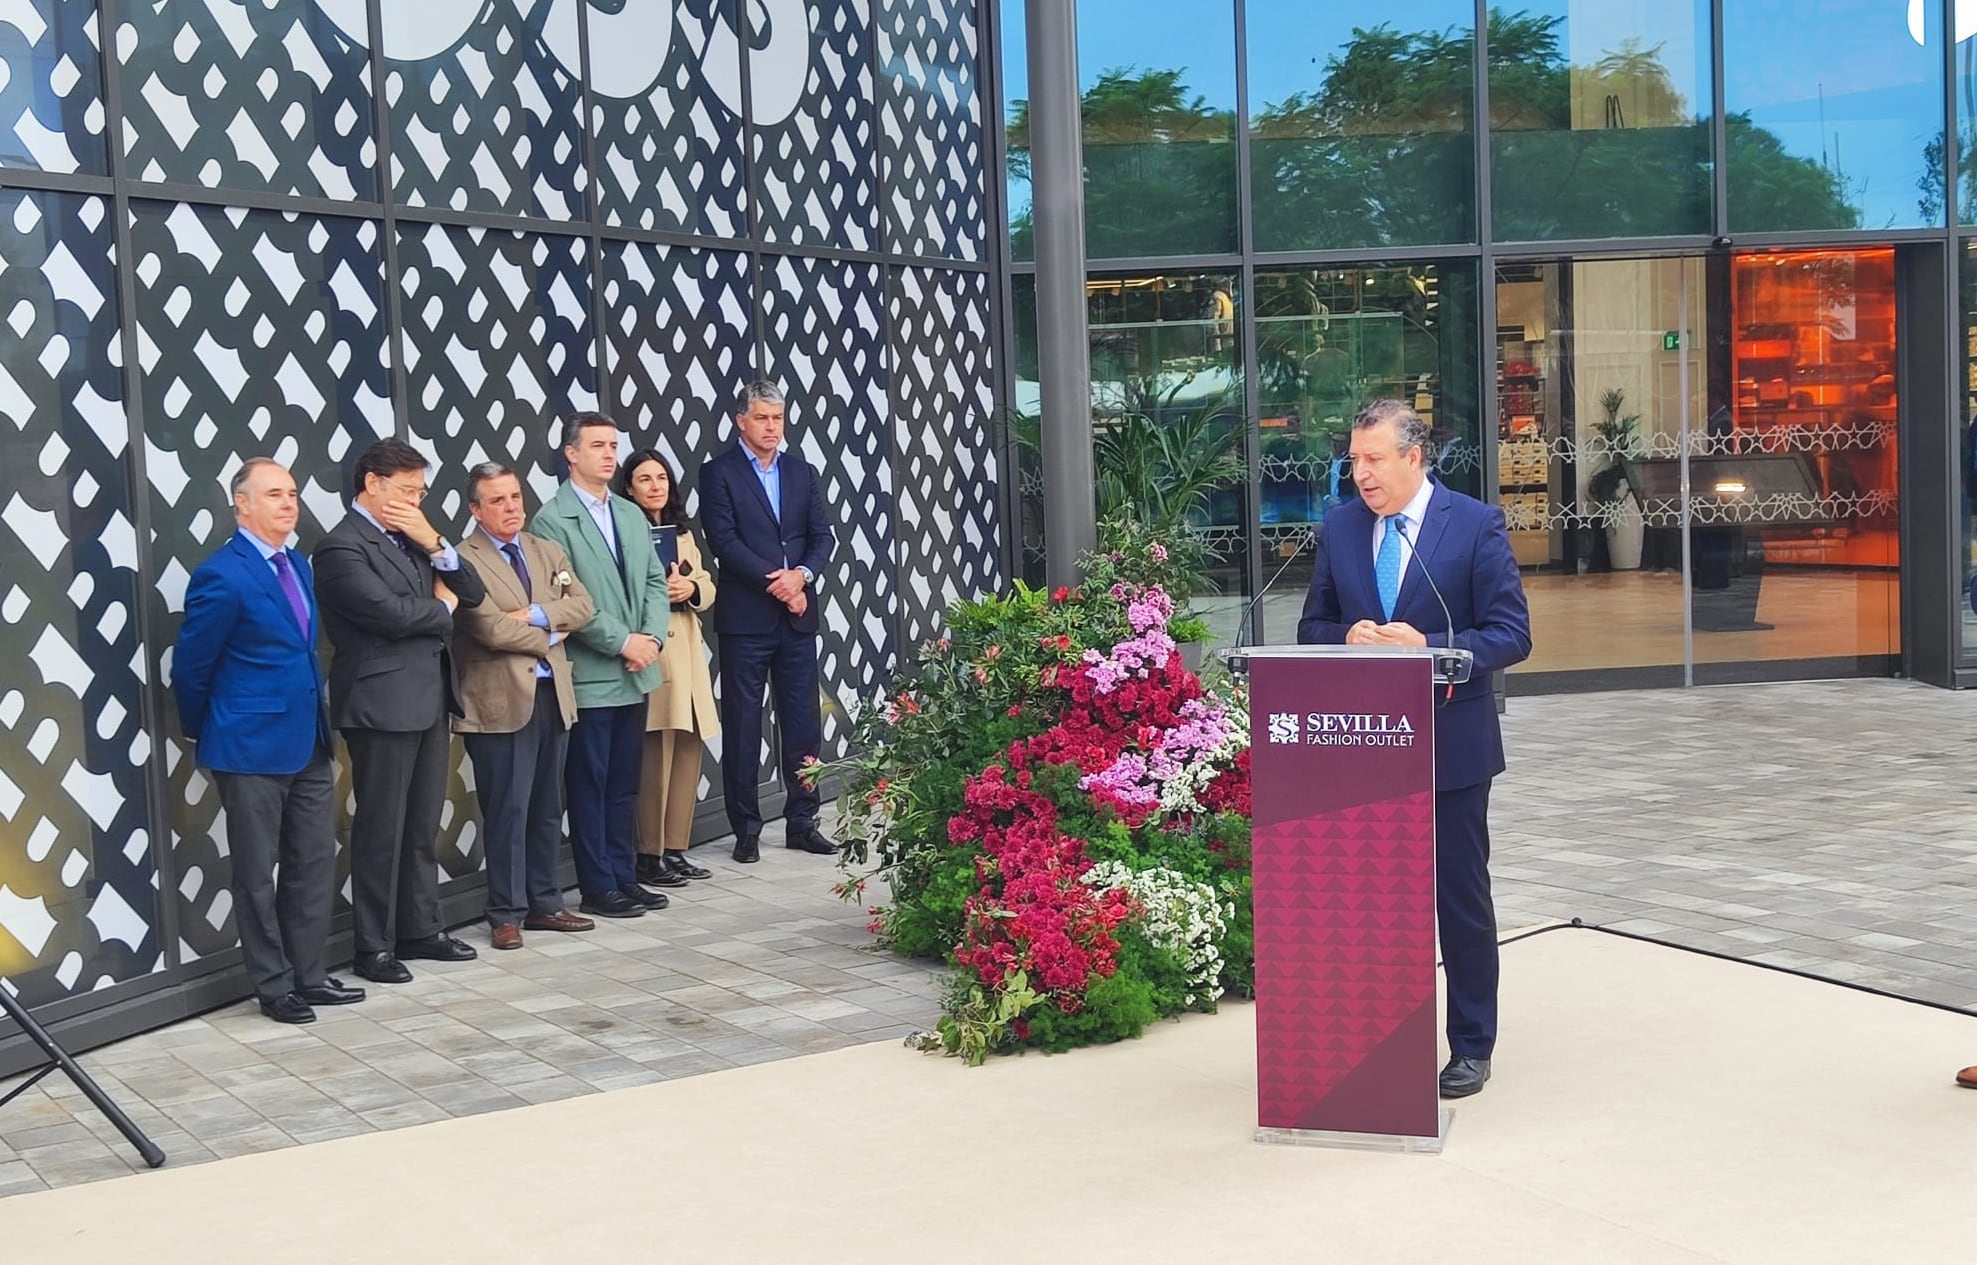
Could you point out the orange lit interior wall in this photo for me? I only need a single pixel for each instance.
(1813, 361)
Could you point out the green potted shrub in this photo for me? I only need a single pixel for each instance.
(1619, 508)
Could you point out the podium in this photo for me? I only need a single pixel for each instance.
(1342, 764)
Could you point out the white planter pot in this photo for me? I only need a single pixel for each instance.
(1625, 532)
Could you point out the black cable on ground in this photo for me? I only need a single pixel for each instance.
(1578, 924)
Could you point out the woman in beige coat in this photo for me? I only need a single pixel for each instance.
(680, 714)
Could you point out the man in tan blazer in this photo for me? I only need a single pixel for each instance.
(519, 704)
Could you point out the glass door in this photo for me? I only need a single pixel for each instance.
(1796, 534)
(1696, 458)
(1598, 386)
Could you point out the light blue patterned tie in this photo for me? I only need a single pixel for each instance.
(1386, 566)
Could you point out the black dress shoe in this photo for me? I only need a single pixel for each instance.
(810, 839)
(381, 968)
(651, 900)
(678, 864)
(613, 905)
(654, 872)
(438, 947)
(287, 1008)
(748, 849)
(331, 992)
(1464, 1076)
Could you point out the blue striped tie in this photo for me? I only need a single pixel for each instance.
(1386, 567)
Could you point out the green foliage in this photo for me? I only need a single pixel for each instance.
(1160, 167)
(1148, 984)
(1159, 465)
(1619, 439)
(1228, 841)
(975, 1024)
(963, 703)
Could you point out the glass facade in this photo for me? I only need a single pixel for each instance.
(1835, 114)
(1361, 124)
(1661, 309)
(1599, 115)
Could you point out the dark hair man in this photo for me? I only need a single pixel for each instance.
(614, 661)
(517, 704)
(764, 515)
(1368, 588)
(389, 583)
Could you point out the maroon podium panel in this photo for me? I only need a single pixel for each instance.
(1343, 780)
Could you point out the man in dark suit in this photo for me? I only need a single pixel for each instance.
(766, 526)
(389, 583)
(518, 704)
(1368, 588)
(250, 695)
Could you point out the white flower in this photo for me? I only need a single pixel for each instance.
(1182, 916)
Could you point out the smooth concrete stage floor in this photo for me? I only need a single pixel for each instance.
(1651, 1105)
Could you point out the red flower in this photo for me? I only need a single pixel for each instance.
(992, 653)
(1062, 594)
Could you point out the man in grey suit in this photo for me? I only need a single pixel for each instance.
(517, 704)
(388, 584)
(250, 695)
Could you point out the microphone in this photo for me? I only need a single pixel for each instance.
(1290, 547)
(1453, 665)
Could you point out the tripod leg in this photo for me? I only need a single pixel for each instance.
(82, 1080)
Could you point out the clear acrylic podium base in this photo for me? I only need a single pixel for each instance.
(1392, 1143)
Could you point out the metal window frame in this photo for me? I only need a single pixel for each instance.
(1489, 252)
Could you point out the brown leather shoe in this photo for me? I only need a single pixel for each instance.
(1967, 1078)
(561, 920)
(506, 936)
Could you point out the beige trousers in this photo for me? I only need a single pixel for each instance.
(669, 789)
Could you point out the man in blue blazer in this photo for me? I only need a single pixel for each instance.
(766, 526)
(250, 695)
(1368, 588)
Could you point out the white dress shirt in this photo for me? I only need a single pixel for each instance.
(600, 513)
(1416, 513)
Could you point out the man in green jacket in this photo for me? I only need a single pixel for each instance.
(614, 664)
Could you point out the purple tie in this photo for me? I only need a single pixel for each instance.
(293, 591)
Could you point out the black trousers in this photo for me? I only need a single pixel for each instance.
(1466, 917)
(518, 779)
(288, 820)
(787, 660)
(400, 784)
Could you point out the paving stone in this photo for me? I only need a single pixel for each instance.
(1825, 827)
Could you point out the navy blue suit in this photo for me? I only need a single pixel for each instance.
(250, 695)
(249, 686)
(1464, 547)
(760, 641)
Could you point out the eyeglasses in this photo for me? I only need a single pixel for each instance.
(407, 491)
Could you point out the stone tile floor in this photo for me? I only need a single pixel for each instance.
(1823, 826)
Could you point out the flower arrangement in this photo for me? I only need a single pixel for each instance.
(1060, 811)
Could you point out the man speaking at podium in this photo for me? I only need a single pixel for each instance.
(1413, 563)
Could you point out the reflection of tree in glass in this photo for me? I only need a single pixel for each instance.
(1380, 152)
(1379, 155)
(1159, 168)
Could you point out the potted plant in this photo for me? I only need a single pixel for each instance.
(1620, 510)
